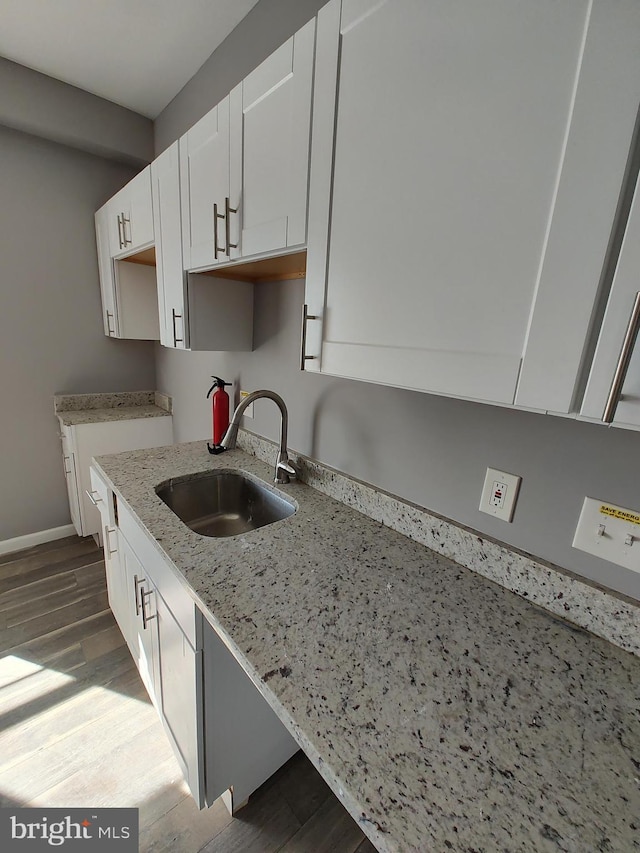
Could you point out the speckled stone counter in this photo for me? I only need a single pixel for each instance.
(73, 409)
(446, 712)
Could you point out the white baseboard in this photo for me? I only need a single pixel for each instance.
(31, 539)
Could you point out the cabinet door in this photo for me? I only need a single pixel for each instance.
(204, 181)
(478, 159)
(617, 319)
(106, 273)
(71, 479)
(103, 499)
(270, 127)
(140, 602)
(180, 674)
(131, 216)
(167, 224)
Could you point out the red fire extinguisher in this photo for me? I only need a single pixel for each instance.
(220, 406)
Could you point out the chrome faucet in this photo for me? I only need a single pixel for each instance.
(284, 469)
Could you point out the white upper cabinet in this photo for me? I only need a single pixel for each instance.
(466, 166)
(244, 165)
(165, 192)
(198, 312)
(125, 237)
(131, 217)
(270, 127)
(620, 326)
(204, 178)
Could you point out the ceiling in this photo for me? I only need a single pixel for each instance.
(137, 53)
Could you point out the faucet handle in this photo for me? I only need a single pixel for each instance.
(284, 471)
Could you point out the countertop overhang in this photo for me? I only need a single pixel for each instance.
(446, 712)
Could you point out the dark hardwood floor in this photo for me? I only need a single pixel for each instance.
(77, 727)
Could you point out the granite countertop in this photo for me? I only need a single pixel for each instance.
(446, 712)
(73, 409)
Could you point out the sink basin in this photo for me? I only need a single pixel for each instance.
(223, 503)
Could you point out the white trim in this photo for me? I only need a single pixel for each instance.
(19, 542)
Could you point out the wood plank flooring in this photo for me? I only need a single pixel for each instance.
(77, 727)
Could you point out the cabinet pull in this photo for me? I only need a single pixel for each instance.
(126, 240)
(175, 317)
(109, 329)
(66, 458)
(119, 232)
(93, 500)
(107, 531)
(136, 587)
(622, 366)
(303, 344)
(144, 593)
(216, 248)
(228, 210)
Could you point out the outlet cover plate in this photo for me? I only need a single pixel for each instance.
(499, 494)
(248, 412)
(610, 532)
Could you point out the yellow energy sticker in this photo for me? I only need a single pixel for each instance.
(622, 514)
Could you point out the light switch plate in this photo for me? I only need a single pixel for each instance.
(499, 494)
(610, 532)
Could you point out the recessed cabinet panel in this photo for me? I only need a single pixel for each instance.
(180, 680)
(449, 144)
(274, 139)
(204, 177)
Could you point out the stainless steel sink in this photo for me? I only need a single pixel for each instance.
(223, 503)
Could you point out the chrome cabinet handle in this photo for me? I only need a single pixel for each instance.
(144, 594)
(136, 588)
(126, 240)
(107, 531)
(175, 317)
(303, 344)
(93, 500)
(216, 248)
(109, 329)
(228, 210)
(615, 392)
(120, 232)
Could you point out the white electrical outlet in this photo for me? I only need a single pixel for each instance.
(499, 494)
(610, 532)
(248, 412)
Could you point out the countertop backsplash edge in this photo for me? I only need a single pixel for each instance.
(588, 606)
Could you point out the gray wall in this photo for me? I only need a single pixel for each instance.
(51, 322)
(428, 449)
(47, 108)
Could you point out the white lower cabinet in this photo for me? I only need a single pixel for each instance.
(467, 162)
(81, 442)
(226, 738)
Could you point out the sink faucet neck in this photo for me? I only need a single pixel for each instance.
(284, 469)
